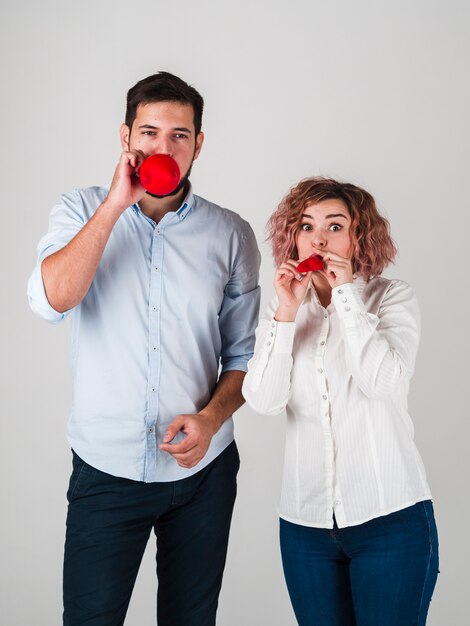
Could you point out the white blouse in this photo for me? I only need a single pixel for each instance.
(343, 373)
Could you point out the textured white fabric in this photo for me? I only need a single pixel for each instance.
(343, 373)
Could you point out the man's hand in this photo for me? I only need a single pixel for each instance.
(68, 273)
(199, 429)
(126, 188)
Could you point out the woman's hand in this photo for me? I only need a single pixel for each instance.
(291, 287)
(336, 269)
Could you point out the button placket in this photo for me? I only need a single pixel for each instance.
(325, 406)
(156, 279)
(337, 504)
(321, 357)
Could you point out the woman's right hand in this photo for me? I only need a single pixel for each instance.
(290, 287)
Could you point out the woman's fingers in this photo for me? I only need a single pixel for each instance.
(337, 270)
(289, 268)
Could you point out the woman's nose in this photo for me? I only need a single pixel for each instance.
(319, 239)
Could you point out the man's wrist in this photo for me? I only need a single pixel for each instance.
(211, 417)
(110, 211)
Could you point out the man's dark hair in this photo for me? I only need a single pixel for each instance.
(163, 87)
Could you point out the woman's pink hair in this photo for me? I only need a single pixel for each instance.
(373, 247)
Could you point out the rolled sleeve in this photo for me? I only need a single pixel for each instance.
(238, 316)
(38, 300)
(65, 221)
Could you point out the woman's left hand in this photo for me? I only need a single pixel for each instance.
(336, 269)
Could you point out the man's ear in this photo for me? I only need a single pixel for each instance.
(125, 133)
(199, 142)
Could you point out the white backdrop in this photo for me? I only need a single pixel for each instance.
(369, 91)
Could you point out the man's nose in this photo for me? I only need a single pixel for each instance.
(165, 147)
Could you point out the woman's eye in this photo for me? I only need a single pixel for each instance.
(335, 227)
(306, 227)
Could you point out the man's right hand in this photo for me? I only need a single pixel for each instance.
(126, 188)
(68, 273)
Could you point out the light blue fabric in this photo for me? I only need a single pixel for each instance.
(170, 303)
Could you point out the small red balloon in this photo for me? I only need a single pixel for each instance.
(160, 174)
(312, 264)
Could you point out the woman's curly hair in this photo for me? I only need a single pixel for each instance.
(373, 247)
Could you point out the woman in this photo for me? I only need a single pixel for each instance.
(337, 349)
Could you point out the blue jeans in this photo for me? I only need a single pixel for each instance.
(109, 522)
(380, 573)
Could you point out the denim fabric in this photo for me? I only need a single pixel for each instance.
(108, 525)
(380, 573)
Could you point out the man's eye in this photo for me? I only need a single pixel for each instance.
(151, 133)
(181, 136)
(335, 227)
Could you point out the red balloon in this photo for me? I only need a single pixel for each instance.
(160, 174)
(312, 264)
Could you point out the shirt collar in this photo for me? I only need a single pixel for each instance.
(186, 206)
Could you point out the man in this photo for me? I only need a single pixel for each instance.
(161, 290)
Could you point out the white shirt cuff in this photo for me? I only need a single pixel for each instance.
(280, 337)
(347, 301)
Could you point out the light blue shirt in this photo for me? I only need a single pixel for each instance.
(170, 305)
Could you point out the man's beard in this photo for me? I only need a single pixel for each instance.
(183, 184)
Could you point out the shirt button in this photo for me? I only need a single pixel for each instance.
(150, 429)
(156, 268)
(322, 343)
(153, 389)
(269, 343)
(344, 300)
(340, 291)
(320, 370)
(271, 334)
(155, 348)
(337, 502)
(326, 316)
(155, 308)
(325, 397)
(347, 308)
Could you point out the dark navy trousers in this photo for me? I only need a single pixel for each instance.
(380, 573)
(109, 522)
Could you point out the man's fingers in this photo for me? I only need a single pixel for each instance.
(173, 429)
(193, 447)
(187, 460)
(179, 448)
